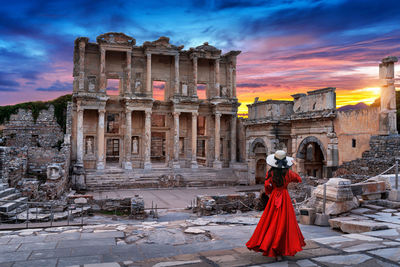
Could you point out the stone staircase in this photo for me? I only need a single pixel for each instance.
(163, 177)
(16, 205)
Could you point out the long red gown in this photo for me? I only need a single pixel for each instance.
(277, 233)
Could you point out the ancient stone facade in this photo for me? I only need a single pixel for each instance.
(173, 108)
(314, 132)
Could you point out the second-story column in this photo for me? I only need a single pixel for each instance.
(128, 140)
(100, 140)
(195, 76)
(217, 142)
(194, 141)
(128, 89)
(82, 45)
(233, 139)
(148, 75)
(177, 74)
(147, 139)
(217, 87)
(103, 80)
(175, 163)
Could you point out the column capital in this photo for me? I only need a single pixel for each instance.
(195, 114)
(102, 50)
(101, 110)
(82, 44)
(128, 111)
(148, 55)
(176, 113)
(148, 112)
(79, 108)
(219, 114)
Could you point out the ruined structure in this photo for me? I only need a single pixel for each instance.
(173, 108)
(314, 132)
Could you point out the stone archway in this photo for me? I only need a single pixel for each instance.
(311, 155)
(257, 164)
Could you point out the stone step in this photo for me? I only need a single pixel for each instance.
(7, 192)
(3, 186)
(7, 207)
(11, 196)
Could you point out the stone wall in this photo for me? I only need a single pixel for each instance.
(13, 164)
(381, 156)
(353, 138)
(22, 130)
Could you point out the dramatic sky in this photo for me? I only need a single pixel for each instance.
(287, 46)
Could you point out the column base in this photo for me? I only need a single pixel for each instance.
(100, 165)
(217, 164)
(176, 165)
(127, 165)
(194, 165)
(147, 165)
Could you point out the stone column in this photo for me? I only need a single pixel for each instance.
(217, 77)
(195, 76)
(103, 80)
(177, 74)
(100, 140)
(194, 141)
(217, 142)
(82, 45)
(128, 89)
(128, 140)
(233, 139)
(175, 164)
(234, 80)
(147, 140)
(230, 82)
(148, 75)
(79, 139)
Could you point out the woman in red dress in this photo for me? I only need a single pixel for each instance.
(277, 233)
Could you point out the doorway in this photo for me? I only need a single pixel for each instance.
(261, 169)
(112, 153)
(158, 144)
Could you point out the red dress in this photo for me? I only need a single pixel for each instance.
(277, 233)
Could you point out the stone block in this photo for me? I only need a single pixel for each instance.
(354, 226)
(334, 193)
(321, 219)
(394, 195)
(335, 208)
(307, 216)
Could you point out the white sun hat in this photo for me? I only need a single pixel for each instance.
(280, 155)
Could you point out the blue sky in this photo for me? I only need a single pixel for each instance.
(287, 46)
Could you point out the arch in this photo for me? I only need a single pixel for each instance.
(301, 151)
(256, 143)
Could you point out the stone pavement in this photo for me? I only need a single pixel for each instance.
(206, 241)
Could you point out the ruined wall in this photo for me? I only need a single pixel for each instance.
(270, 109)
(316, 100)
(381, 156)
(354, 129)
(13, 164)
(21, 130)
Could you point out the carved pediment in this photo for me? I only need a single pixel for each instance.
(162, 43)
(208, 48)
(118, 38)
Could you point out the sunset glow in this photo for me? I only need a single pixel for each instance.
(287, 47)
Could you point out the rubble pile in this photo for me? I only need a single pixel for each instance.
(211, 205)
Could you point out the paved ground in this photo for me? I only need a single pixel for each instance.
(171, 198)
(207, 241)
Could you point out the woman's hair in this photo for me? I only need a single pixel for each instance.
(278, 175)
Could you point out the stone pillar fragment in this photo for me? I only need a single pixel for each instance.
(103, 80)
(147, 140)
(128, 140)
(230, 82)
(82, 45)
(217, 142)
(128, 89)
(195, 76)
(177, 74)
(148, 75)
(176, 140)
(100, 141)
(79, 141)
(233, 139)
(234, 80)
(217, 87)
(194, 141)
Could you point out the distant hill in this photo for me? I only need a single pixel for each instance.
(358, 106)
